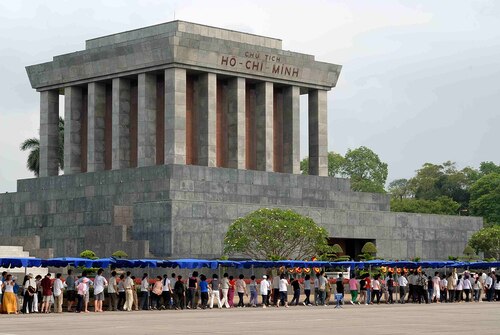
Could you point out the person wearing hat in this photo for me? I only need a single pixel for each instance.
(264, 289)
(29, 290)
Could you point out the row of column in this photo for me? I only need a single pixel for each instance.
(182, 119)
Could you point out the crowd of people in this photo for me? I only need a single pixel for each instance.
(124, 292)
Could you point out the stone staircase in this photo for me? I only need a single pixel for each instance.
(8, 251)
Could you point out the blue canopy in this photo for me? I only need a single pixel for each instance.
(103, 262)
(229, 263)
(60, 262)
(20, 262)
(193, 263)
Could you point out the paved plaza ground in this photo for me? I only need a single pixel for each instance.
(472, 318)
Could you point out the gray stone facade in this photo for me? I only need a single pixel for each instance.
(184, 211)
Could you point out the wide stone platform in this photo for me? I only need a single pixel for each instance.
(471, 318)
(185, 210)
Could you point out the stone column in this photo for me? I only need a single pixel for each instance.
(318, 133)
(206, 110)
(264, 126)
(120, 124)
(146, 114)
(49, 133)
(175, 116)
(96, 113)
(236, 123)
(291, 130)
(73, 106)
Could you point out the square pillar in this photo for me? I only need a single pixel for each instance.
(49, 133)
(206, 116)
(96, 125)
(73, 111)
(120, 124)
(264, 126)
(318, 133)
(291, 130)
(175, 116)
(146, 114)
(236, 123)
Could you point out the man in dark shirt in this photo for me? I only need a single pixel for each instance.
(296, 291)
(340, 286)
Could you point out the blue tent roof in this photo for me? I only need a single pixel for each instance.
(20, 262)
(59, 262)
(188, 263)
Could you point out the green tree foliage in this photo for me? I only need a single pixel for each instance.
(487, 240)
(485, 198)
(33, 145)
(119, 254)
(335, 254)
(361, 165)
(365, 169)
(88, 254)
(469, 253)
(335, 163)
(275, 234)
(399, 189)
(442, 205)
(368, 252)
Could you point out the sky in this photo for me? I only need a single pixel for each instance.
(419, 83)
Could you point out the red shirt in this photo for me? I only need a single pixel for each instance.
(368, 283)
(46, 284)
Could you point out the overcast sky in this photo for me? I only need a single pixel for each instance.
(420, 79)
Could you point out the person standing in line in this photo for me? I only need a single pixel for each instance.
(368, 289)
(173, 279)
(264, 289)
(296, 291)
(362, 290)
(29, 287)
(156, 294)
(376, 289)
(224, 285)
(339, 286)
(144, 304)
(2, 280)
(307, 290)
(9, 303)
(121, 293)
(467, 287)
(459, 289)
(192, 288)
(477, 289)
(488, 284)
(411, 286)
(46, 292)
(70, 290)
(128, 285)
(421, 288)
(276, 289)
(86, 297)
(283, 289)
(430, 288)
(403, 284)
(436, 285)
(496, 286)
(390, 289)
(452, 283)
(113, 292)
(203, 291)
(37, 296)
(443, 287)
(134, 294)
(353, 288)
(241, 289)
(230, 293)
(214, 293)
(253, 291)
(58, 293)
(166, 292)
(99, 283)
(179, 293)
(322, 288)
(317, 297)
(82, 288)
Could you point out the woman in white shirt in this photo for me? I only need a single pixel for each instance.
(477, 286)
(459, 289)
(264, 288)
(467, 286)
(283, 287)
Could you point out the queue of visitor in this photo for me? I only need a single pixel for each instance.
(124, 292)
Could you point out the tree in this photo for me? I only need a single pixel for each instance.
(275, 234)
(335, 254)
(119, 254)
(366, 171)
(485, 198)
(368, 252)
(33, 145)
(442, 205)
(469, 253)
(399, 189)
(88, 254)
(335, 164)
(487, 240)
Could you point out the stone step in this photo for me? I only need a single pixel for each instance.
(13, 251)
